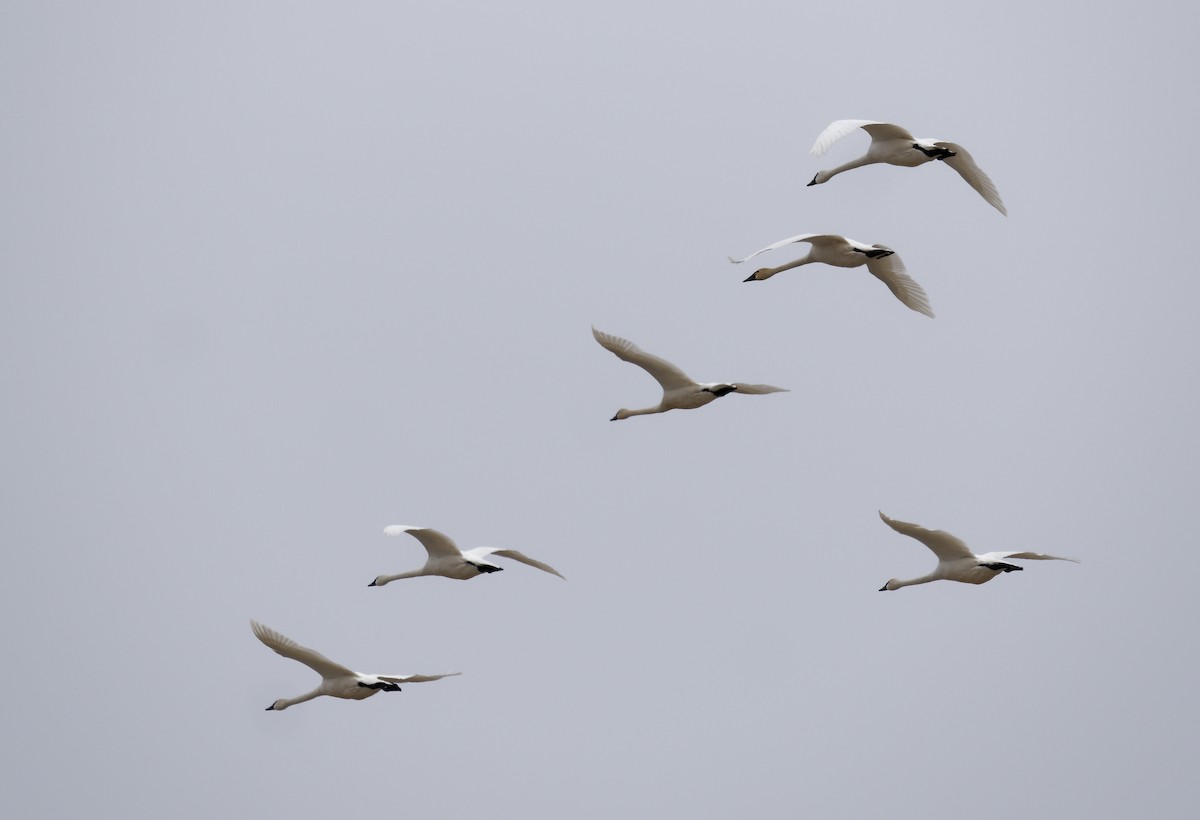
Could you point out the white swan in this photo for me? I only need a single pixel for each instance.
(447, 560)
(679, 391)
(336, 680)
(842, 252)
(895, 146)
(955, 561)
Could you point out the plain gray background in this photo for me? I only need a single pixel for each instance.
(276, 275)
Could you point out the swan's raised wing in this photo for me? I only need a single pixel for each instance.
(667, 374)
(944, 545)
(516, 556)
(804, 237)
(964, 163)
(840, 128)
(759, 389)
(890, 271)
(290, 649)
(887, 131)
(1028, 556)
(436, 544)
(416, 678)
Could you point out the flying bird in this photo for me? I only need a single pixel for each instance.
(895, 146)
(679, 391)
(843, 252)
(336, 680)
(447, 560)
(955, 561)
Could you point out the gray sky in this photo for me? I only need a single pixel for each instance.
(276, 275)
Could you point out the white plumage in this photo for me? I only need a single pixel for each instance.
(956, 562)
(842, 252)
(679, 391)
(447, 560)
(894, 145)
(336, 680)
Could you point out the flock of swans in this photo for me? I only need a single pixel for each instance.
(890, 144)
(445, 559)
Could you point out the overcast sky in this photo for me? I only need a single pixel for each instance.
(276, 275)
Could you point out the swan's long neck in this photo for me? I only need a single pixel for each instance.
(645, 411)
(825, 176)
(911, 582)
(767, 273)
(387, 579)
(284, 703)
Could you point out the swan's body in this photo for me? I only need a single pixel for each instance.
(955, 561)
(336, 680)
(843, 252)
(893, 145)
(448, 561)
(679, 391)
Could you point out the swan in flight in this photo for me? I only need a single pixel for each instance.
(447, 560)
(336, 680)
(679, 392)
(955, 561)
(842, 252)
(895, 146)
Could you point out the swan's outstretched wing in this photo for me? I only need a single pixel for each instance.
(840, 128)
(944, 545)
(964, 163)
(1028, 556)
(435, 543)
(667, 374)
(416, 678)
(759, 389)
(516, 556)
(804, 237)
(290, 649)
(890, 271)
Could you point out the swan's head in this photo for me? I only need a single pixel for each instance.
(621, 414)
(379, 582)
(891, 585)
(278, 706)
(760, 274)
(818, 178)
